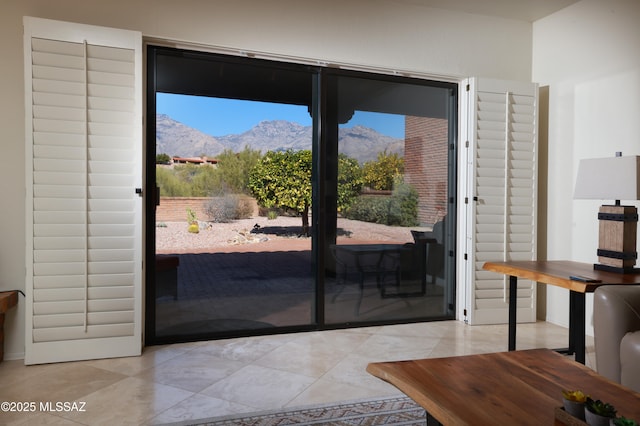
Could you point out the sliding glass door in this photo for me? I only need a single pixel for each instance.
(229, 223)
(389, 237)
(290, 197)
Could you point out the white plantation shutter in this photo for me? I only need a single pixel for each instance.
(84, 150)
(501, 188)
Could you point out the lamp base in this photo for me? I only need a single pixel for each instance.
(617, 239)
(618, 270)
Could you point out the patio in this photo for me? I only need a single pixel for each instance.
(271, 284)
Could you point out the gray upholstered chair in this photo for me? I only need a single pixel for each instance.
(616, 322)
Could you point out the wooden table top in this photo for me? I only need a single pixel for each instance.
(519, 387)
(8, 299)
(558, 273)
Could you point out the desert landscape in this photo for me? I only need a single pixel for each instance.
(263, 234)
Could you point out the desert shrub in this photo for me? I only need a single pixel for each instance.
(369, 208)
(192, 217)
(245, 208)
(192, 220)
(170, 185)
(228, 207)
(188, 180)
(403, 206)
(349, 181)
(234, 167)
(398, 209)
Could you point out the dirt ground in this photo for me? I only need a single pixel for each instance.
(261, 233)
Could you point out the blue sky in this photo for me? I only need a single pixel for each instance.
(220, 117)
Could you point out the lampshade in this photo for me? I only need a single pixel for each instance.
(613, 178)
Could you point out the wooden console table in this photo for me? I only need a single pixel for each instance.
(8, 299)
(506, 388)
(559, 273)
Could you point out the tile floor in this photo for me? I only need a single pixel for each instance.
(204, 379)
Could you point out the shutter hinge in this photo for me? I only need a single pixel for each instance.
(139, 192)
(466, 200)
(464, 312)
(468, 87)
(466, 144)
(465, 256)
(450, 253)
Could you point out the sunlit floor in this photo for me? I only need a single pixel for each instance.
(205, 379)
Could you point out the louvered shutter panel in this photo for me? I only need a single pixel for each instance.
(502, 211)
(84, 150)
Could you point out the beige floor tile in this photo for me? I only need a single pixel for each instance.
(199, 407)
(427, 330)
(382, 347)
(302, 358)
(151, 356)
(131, 401)
(344, 340)
(192, 371)
(55, 382)
(324, 391)
(39, 419)
(204, 379)
(246, 349)
(352, 371)
(260, 387)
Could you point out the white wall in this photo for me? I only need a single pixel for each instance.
(373, 33)
(587, 56)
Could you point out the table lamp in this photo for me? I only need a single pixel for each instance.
(614, 178)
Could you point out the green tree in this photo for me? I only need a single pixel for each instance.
(349, 181)
(187, 180)
(205, 181)
(163, 159)
(170, 185)
(283, 179)
(234, 169)
(382, 173)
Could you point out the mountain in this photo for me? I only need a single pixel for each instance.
(180, 140)
(364, 143)
(278, 135)
(177, 139)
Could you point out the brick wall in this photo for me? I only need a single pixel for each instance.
(426, 165)
(174, 209)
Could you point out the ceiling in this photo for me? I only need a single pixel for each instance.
(523, 10)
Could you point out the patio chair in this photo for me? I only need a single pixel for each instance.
(358, 267)
(433, 249)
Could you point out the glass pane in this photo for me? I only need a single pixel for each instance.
(231, 250)
(387, 257)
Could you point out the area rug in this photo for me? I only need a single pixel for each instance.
(399, 411)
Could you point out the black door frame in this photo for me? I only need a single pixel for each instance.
(324, 212)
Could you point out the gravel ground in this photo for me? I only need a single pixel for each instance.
(173, 237)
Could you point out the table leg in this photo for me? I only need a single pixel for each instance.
(578, 330)
(513, 307)
(572, 324)
(432, 421)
